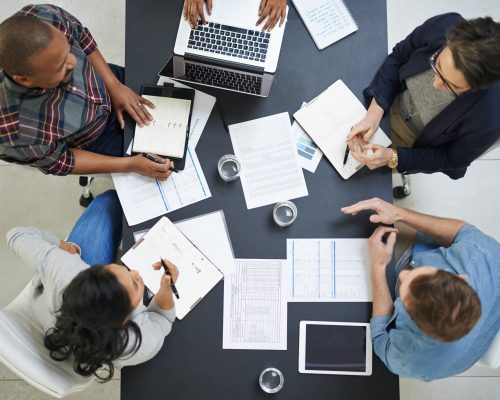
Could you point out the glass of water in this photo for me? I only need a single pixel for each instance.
(271, 380)
(229, 168)
(284, 213)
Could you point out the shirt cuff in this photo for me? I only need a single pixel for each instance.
(378, 324)
(63, 165)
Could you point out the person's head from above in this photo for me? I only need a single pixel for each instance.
(35, 54)
(92, 325)
(470, 60)
(442, 304)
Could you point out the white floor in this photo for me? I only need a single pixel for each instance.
(28, 197)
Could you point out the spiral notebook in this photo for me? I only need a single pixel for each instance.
(327, 21)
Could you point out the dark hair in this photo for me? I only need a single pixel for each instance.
(443, 305)
(21, 38)
(92, 325)
(475, 46)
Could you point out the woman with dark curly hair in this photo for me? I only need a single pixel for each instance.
(94, 316)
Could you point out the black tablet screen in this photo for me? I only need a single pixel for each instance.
(336, 348)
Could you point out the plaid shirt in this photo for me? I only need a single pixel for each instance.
(40, 126)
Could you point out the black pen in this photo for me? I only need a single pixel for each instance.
(346, 154)
(167, 272)
(222, 116)
(156, 160)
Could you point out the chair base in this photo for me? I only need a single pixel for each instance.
(86, 197)
(400, 192)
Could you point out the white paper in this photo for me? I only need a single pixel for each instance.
(202, 108)
(327, 20)
(329, 270)
(328, 119)
(308, 153)
(255, 306)
(197, 274)
(144, 198)
(269, 168)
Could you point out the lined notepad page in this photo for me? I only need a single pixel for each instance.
(327, 20)
(166, 134)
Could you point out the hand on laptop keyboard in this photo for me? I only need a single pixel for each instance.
(273, 10)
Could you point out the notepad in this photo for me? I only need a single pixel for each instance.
(328, 119)
(197, 274)
(327, 21)
(166, 134)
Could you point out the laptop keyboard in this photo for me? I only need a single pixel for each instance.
(222, 78)
(230, 41)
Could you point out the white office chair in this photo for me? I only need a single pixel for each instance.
(491, 359)
(23, 352)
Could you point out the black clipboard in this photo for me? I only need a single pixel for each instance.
(168, 90)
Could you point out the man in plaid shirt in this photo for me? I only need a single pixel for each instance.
(61, 105)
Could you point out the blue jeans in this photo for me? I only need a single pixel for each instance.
(98, 231)
(110, 141)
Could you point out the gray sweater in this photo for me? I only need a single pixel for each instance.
(55, 268)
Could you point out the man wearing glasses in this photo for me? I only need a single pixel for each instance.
(440, 86)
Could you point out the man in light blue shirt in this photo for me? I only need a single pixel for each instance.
(446, 313)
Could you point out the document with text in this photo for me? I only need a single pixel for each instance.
(255, 306)
(143, 198)
(270, 171)
(329, 270)
(308, 152)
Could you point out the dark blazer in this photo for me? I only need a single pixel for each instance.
(460, 133)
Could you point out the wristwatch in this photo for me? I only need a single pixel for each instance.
(393, 162)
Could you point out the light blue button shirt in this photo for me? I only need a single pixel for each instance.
(408, 351)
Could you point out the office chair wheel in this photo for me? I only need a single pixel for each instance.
(399, 192)
(86, 197)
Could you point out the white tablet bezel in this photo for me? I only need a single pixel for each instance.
(302, 348)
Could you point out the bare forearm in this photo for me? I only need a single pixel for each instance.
(102, 68)
(87, 162)
(375, 111)
(441, 230)
(164, 299)
(382, 301)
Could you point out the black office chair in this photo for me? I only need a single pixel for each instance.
(86, 197)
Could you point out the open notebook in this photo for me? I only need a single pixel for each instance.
(166, 135)
(328, 119)
(197, 274)
(327, 21)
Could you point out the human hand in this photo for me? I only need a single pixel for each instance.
(193, 9)
(381, 245)
(71, 248)
(125, 99)
(274, 10)
(145, 167)
(167, 279)
(365, 128)
(373, 155)
(386, 213)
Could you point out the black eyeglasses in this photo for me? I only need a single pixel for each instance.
(432, 61)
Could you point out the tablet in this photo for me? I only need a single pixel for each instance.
(336, 348)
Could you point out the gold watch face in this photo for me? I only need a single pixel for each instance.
(393, 162)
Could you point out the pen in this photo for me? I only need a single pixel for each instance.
(167, 272)
(346, 152)
(156, 160)
(222, 116)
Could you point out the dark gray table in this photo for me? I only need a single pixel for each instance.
(192, 364)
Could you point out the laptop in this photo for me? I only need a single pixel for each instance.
(229, 52)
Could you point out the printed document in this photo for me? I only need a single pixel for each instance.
(269, 167)
(197, 274)
(143, 198)
(202, 108)
(308, 152)
(329, 270)
(255, 306)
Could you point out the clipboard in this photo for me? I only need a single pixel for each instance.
(168, 90)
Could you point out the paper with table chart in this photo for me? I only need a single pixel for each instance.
(143, 198)
(329, 270)
(202, 108)
(166, 134)
(208, 232)
(269, 168)
(255, 306)
(328, 119)
(197, 274)
(308, 153)
(327, 21)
